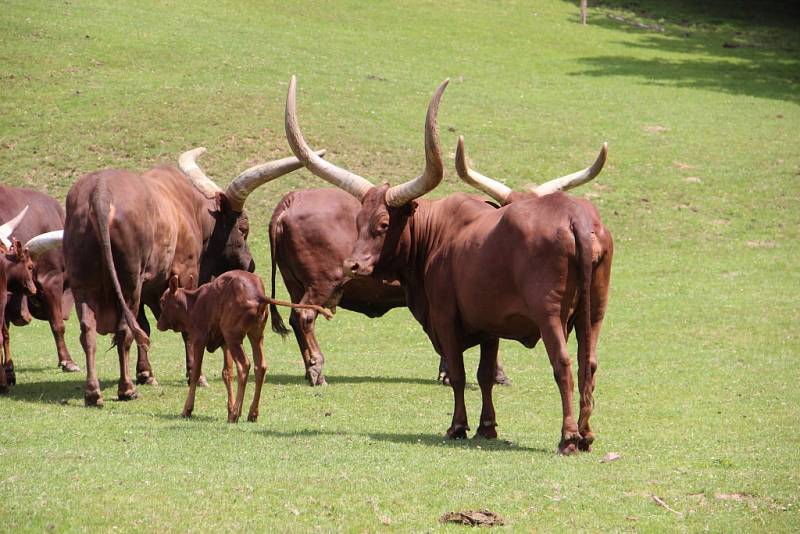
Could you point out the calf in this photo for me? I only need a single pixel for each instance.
(220, 314)
(16, 269)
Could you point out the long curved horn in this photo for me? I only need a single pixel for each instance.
(434, 169)
(491, 187)
(352, 183)
(188, 164)
(8, 228)
(249, 180)
(576, 178)
(44, 242)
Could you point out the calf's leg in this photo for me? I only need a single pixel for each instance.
(202, 382)
(257, 344)
(242, 370)
(227, 375)
(198, 349)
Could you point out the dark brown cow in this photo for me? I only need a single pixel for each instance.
(53, 300)
(126, 234)
(474, 274)
(221, 314)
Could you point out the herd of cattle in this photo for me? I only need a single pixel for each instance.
(525, 266)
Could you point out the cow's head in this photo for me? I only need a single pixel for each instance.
(505, 195)
(226, 248)
(385, 211)
(18, 266)
(174, 306)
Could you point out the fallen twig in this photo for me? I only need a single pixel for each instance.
(662, 504)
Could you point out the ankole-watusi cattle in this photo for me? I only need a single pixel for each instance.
(126, 234)
(311, 233)
(474, 274)
(218, 314)
(17, 274)
(53, 299)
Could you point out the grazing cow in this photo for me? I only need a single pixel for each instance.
(474, 274)
(53, 299)
(220, 314)
(127, 234)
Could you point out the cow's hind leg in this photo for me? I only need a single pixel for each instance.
(487, 372)
(304, 322)
(556, 344)
(242, 370)
(144, 371)
(257, 344)
(91, 393)
(125, 388)
(198, 349)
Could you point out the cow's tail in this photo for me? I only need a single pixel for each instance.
(278, 326)
(325, 312)
(101, 206)
(583, 320)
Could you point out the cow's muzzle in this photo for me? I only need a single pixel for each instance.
(358, 267)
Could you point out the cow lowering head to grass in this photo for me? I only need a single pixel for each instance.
(127, 234)
(17, 275)
(53, 299)
(474, 274)
(221, 314)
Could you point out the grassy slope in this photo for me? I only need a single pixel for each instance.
(698, 356)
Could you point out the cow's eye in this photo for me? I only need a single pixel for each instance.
(383, 226)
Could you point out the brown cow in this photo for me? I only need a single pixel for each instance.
(126, 234)
(53, 300)
(220, 314)
(474, 274)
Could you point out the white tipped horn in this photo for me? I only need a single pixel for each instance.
(44, 242)
(252, 178)
(434, 169)
(8, 228)
(493, 188)
(576, 178)
(188, 164)
(344, 179)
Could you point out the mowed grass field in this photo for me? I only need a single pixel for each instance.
(698, 358)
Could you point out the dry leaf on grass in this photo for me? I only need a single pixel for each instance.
(482, 517)
(610, 457)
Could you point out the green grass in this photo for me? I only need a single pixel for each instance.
(699, 352)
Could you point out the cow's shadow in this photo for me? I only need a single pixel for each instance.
(53, 391)
(421, 440)
(286, 380)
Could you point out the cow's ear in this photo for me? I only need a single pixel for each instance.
(173, 283)
(18, 248)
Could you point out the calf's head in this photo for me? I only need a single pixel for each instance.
(18, 266)
(385, 211)
(174, 306)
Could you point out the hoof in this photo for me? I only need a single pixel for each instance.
(4, 390)
(252, 418)
(128, 395)
(93, 398)
(69, 366)
(569, 443)
(585, 443)
(186, 414)
(146, 378)
(233, 419)
(316, 378)
(202, 382)
(444, 379)
(487, 431)
(457, 432)
(11, 376)
(502, 380)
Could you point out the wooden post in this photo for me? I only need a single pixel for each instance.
(583, 12)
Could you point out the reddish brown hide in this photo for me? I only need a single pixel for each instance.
(16, 273)
(474, 274)
(221, 314)
(53, 299)
(126, 234)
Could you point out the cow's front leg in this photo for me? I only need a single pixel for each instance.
(144, 371)
(125, 388)
(487, 373)
(202, 382)
(556, 345)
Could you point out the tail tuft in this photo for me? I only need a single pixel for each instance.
(278, 325)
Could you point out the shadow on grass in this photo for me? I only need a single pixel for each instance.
(63, 392)
(283, 379)
(424, 440)
(749, 50)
